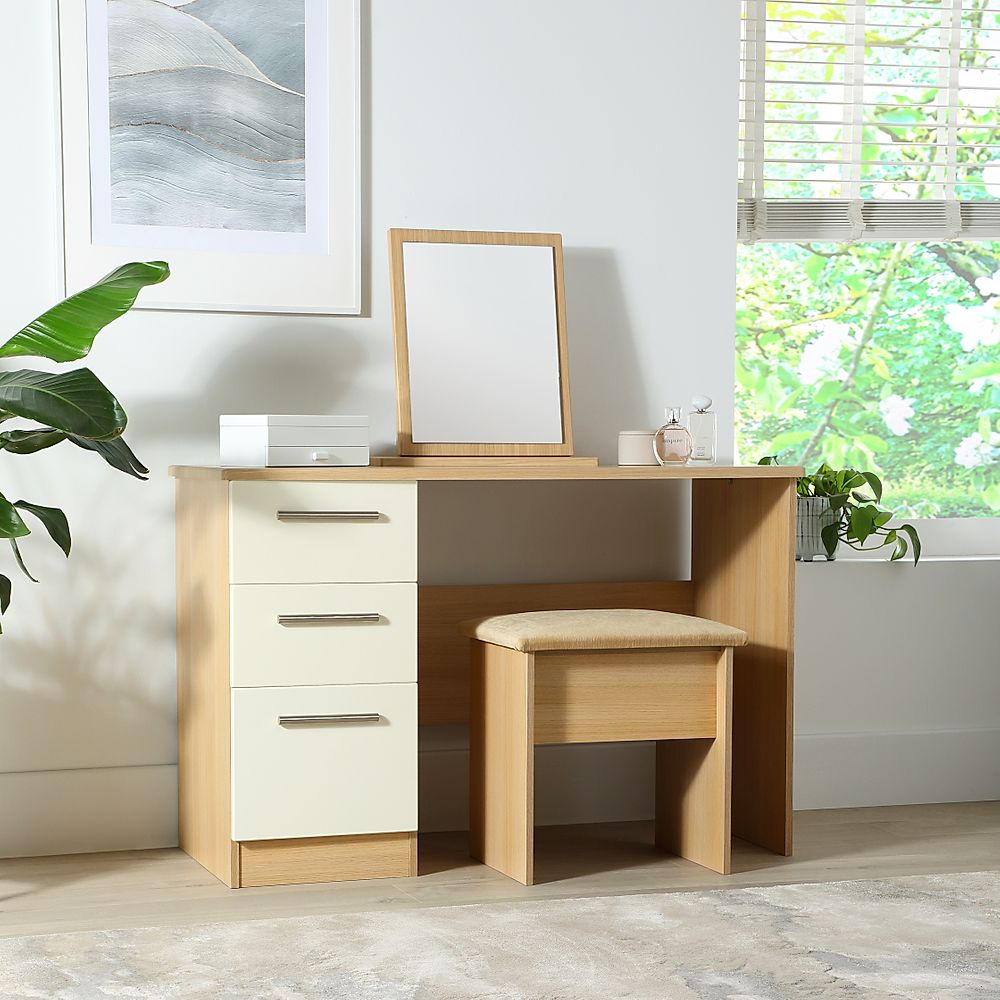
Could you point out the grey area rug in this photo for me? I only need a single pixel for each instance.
(918, 937)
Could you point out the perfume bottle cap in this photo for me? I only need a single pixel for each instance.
(673, 414)
(701, 403)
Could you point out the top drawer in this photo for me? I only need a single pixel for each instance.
(284, 532)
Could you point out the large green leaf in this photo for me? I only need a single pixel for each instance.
(66, 332)
(11, 523)
(914, 537)
(53, 520)
(5, 587)
(76, 402)
(116, 453)
(830, 533)
(29, 441)
(875, 483)
(861, 522)
(20, 560)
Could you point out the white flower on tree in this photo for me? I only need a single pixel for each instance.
(989, 284)
(973, 451)
(821, 356)
(977, 324)
(896, 412)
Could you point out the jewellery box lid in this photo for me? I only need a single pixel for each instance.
(290, 420)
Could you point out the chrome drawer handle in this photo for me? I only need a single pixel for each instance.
(321, 720)
(328, 515)
(289, 620)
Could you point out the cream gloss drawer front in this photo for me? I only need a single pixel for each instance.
(289, 532)
(323, 633)
(324, 761)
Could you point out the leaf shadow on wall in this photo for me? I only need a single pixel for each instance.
(72, 696)
(71, 664)
(607, 388)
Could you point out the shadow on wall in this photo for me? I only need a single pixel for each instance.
(607, 387)
(308, 365)
(74, 671)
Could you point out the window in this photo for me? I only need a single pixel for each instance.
(868, 329)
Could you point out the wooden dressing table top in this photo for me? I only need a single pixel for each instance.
(471, 470)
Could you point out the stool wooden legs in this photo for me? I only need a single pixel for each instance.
(693, 786)
(502, 760)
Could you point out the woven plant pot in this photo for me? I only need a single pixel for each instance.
(814, 515)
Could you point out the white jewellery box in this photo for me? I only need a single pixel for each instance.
(256, 440)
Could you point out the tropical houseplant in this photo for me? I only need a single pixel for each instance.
(73, 406)
(845, 505)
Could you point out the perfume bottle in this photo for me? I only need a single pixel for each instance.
(672, 443)
(703, 430)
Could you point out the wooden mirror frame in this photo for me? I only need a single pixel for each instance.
(407, 446)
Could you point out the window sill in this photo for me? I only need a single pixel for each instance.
(857, 559)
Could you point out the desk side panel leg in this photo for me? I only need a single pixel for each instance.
(743, 569)
(693, 786)
(502, 760)
(203, 701)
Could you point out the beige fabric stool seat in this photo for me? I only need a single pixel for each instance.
(555, 677)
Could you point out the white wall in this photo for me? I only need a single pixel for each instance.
(897, 682)
(559, 116)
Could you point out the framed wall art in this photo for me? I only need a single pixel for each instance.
(221, 136)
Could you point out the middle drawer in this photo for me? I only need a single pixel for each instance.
(323, 633)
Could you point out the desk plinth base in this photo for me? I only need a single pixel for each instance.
(327, 859)
(303, 860)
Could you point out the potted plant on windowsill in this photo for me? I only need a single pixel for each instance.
(845, 505)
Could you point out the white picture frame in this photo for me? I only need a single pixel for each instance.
(317, 270)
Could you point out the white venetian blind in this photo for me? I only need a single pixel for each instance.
(870, 120)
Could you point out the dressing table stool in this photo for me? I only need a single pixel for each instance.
(553, 677)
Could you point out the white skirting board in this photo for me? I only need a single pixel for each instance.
(588, 783)
(83, 811)
(596, 783)
(887, 769)
(133, 808)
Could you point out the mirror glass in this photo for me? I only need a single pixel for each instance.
(483, 343)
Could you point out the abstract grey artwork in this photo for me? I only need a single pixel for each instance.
(208, 114)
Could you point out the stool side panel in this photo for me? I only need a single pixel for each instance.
(501, 761)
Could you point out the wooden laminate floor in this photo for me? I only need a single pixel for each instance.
(165, 887)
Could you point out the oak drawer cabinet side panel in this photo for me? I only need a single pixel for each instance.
(203, 694)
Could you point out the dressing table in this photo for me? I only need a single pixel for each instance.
(312, 646)
(309, 651)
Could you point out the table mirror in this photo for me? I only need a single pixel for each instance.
(480, 337)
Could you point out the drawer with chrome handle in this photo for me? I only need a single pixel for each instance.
(324, 761)
(328, 515)
(323, 633)
(328, 720)
(348, 619)
(309, 532)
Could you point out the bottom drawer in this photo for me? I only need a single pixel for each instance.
(324, 761)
